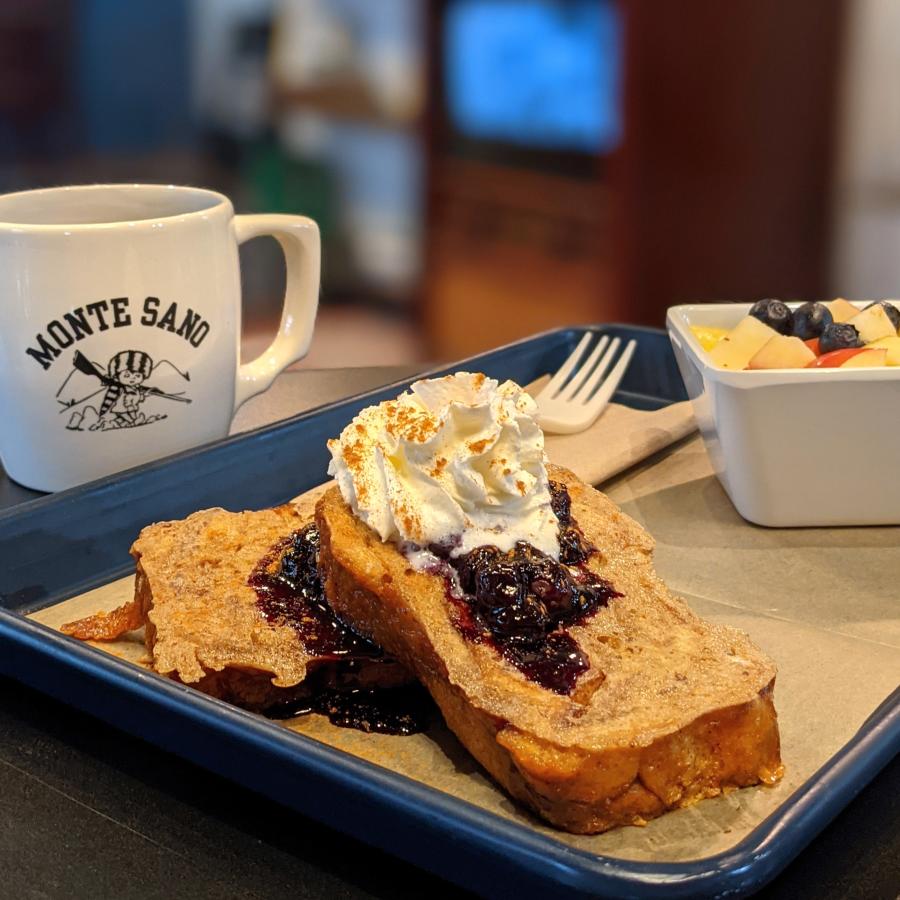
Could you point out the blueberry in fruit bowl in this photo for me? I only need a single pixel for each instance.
(839, 336)
(810, 319)
(892, 312)
(773, 313)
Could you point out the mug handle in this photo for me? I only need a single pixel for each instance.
(299, 240)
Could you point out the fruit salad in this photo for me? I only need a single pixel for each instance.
(836, 334)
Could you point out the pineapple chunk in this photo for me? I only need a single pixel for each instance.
(708, 336)
(741, 344)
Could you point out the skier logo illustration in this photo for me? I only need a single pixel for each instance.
(123, 389)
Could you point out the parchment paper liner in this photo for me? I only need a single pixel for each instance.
(823, 602)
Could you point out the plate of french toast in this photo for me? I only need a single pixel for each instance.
(489, 634)
(451, 556)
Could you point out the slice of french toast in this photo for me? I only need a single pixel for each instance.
(196, 594)
(670, 709)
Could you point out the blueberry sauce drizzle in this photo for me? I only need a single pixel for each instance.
(521, 602)
(574, 548)
(399, 710)
(289, 591)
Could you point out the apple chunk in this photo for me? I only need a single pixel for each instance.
(873, 324)
(841, 310)
(892, 345)
(741, 344)
(875, 356)
(782, 352)
(851, 358)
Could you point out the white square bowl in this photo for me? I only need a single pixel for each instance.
(794, 447)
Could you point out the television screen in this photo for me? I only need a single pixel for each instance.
(540, 74)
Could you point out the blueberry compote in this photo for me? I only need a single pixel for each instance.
(289, 592)
(523, 601)
(573, 547)
(398, 710)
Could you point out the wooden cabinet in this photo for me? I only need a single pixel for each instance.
(720, 188)
(511, 253)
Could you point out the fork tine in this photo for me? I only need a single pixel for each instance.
(608, 388)
(584, 371)
(559, 379)
(583, 395)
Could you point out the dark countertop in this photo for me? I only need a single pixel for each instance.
(87, 811)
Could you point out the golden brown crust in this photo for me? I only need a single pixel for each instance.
(673, 708)
(202, 624)
(201, 613)
(107, 626)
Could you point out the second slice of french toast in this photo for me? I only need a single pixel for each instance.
(205, 625)
(671, 709)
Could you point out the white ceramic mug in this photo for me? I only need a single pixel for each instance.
(120, 324)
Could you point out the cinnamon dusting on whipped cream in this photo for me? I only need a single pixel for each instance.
(457, 461)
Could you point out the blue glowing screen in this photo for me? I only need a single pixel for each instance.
(537, 73)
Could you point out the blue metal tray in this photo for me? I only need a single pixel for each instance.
(59, 546)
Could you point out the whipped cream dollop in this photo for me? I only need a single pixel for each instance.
(457, 461)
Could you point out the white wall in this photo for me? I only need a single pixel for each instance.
(866, 259)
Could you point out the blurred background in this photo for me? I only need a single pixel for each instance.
(485, 169)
